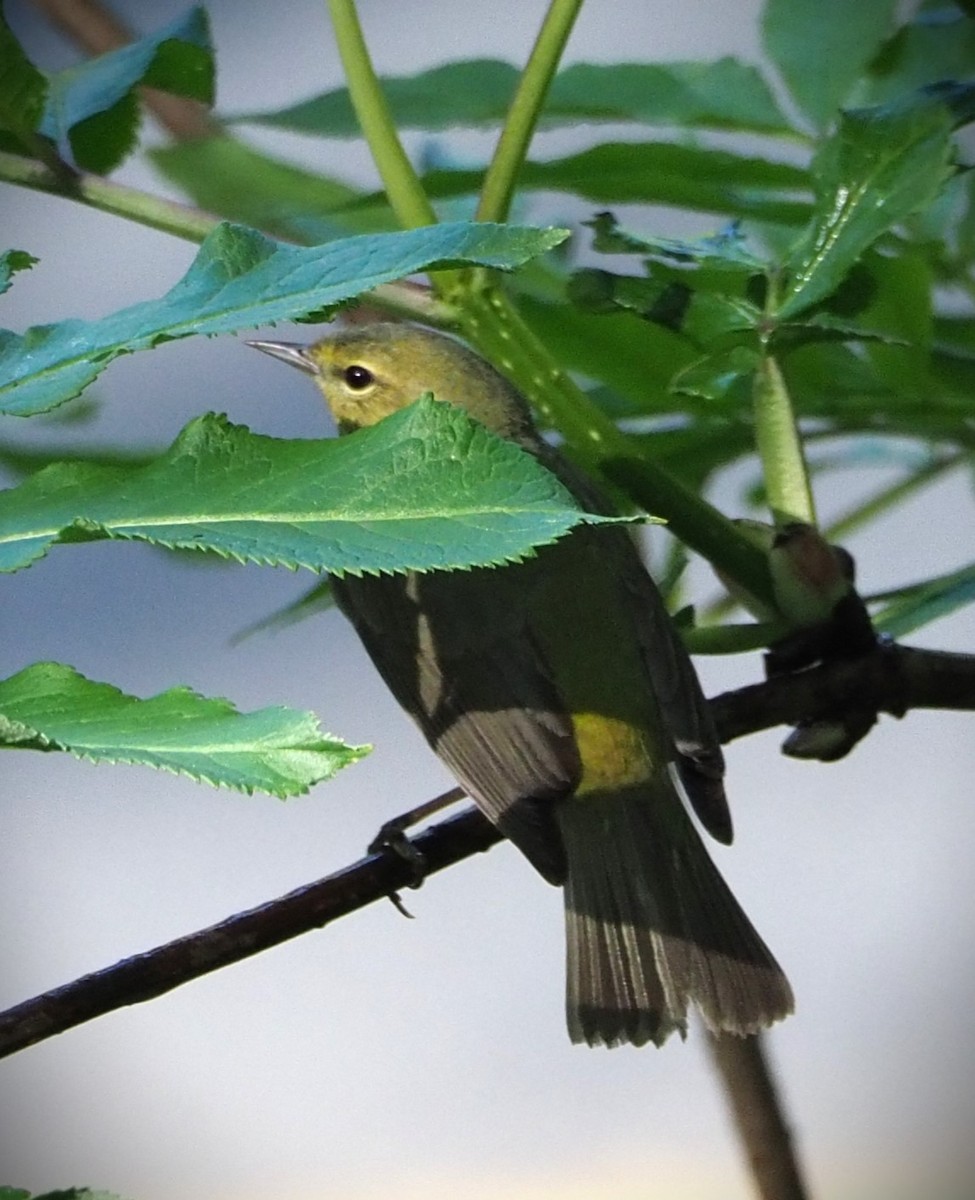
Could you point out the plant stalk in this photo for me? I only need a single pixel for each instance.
(779, 445)
(403, 188)
(526, 106)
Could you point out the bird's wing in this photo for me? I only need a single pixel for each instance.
(699, 759)
(456, 652)
(700, 762)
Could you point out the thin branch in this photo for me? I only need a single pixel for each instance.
(145, 976)
(402, 298)
(893, 679)
(758, 1115)
(95, 191)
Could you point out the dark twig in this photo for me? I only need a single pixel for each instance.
(892, 679)
(148, 975)
(758, 1115)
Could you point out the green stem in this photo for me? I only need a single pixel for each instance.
(522, 117)
(192, 224)
(96, 192)
(488, 320)
(732, 639)
(780, 448)
(403, 188)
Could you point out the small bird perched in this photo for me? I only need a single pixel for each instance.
(559, 695)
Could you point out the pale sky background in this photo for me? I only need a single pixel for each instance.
(428, 1058)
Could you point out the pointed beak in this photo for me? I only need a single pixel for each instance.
(290, 352)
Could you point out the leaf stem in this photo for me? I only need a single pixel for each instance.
(403, 188)
(95, 191)
(526, 106)
(779, 445)
(192, 224)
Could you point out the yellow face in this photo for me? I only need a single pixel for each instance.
(364, 378)
(370, 371)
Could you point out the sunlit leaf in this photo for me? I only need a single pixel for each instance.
(425, 489)
(280, 751)
(880, 166)
(240, 279)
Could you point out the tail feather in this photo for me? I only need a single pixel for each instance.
(652, 927)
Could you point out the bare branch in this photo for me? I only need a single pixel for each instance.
(148, 975)
(892, 679)
(758, 1115)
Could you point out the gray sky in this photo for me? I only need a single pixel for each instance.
(429, 1057)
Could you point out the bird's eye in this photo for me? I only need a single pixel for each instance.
(358, 378)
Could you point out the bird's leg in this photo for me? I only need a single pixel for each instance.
(392, 838)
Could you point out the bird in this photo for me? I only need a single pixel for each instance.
(559, 694)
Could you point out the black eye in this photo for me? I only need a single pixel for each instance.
(359, 378)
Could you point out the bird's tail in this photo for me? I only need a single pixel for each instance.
(651, 926)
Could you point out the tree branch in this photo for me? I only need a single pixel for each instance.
(758, 1115)
(145, 976)
(892, 679)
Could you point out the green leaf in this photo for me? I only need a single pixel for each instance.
(927, 602)
(471, 93)
(240, 279)
(693, 177)
(831, 382)
(901, 314)
(824, 327)
(23, 89)
(822, 47)
(719, 375)
(26, 459)
(937, 44)
(72, 1193)
(93, 110)
(12, 261)
(633, 357)
(881, 165)
(279, 751)
(226, 177)
(726, 250)
(426, 489)
(699, 314)
(721, 94)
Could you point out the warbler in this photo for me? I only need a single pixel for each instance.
(558, 693)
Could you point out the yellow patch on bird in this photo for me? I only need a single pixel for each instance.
(614, 753)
